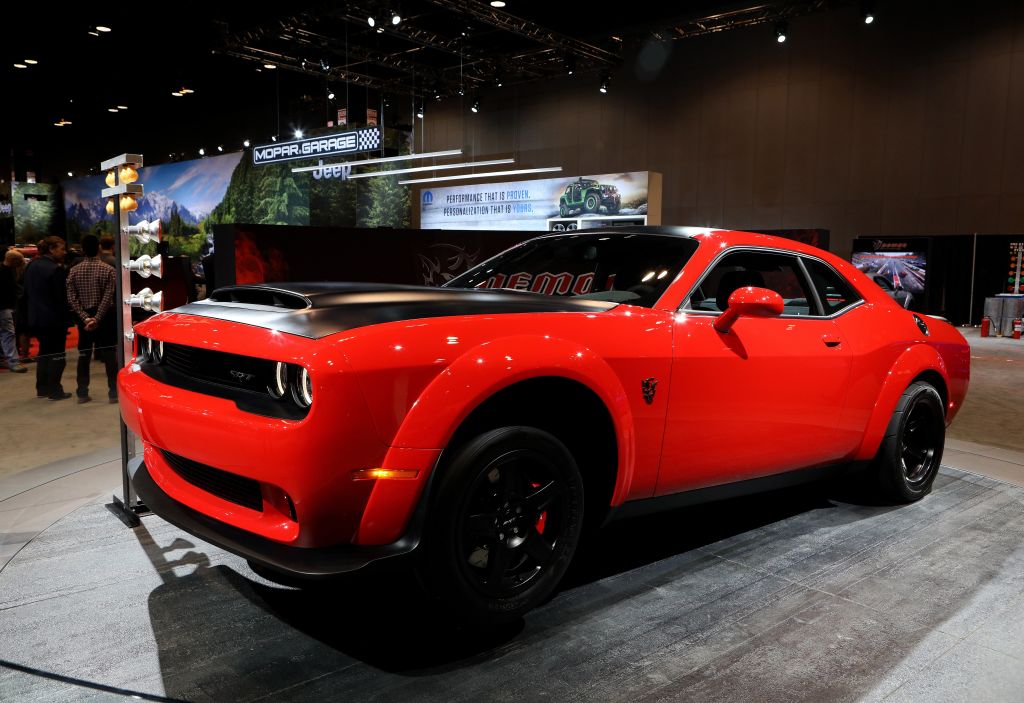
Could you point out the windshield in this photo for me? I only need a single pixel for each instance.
(620, 268)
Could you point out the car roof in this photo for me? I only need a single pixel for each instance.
(723, 237)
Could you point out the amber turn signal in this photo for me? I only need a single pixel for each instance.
(374, 474)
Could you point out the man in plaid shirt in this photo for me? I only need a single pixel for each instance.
(91, 297)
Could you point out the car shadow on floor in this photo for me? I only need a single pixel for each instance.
(380, 619)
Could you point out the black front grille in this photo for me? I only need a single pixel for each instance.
(231, 487)
(232, 370)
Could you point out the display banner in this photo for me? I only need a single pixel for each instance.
(352, 142)
(371, 117)
(527, 205)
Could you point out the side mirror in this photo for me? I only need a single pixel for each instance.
(749, 302)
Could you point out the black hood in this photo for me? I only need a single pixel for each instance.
(316, 310)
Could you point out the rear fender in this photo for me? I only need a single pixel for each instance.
(912, 363)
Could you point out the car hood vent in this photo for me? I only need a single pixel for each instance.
(265, 296)
(316, 310)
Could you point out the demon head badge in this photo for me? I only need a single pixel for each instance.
(649, 386)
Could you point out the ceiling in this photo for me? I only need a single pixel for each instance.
(220, 51)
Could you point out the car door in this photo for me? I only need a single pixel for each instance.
(764, 397)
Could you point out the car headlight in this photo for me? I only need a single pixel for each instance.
(304, 388)
(279, 384)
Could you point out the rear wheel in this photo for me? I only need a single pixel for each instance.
(505, 525)
(562, 210)
(911, 451)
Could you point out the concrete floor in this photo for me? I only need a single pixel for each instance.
(796, 595)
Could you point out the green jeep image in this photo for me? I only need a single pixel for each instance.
(587, 195)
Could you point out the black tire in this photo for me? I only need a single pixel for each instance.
(592, 203)
(563, 211)
(484, 507)
(911, 451)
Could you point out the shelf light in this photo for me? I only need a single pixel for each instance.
(435, 167)
(513, 172)
(382, 160)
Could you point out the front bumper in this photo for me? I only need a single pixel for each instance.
(303, 562)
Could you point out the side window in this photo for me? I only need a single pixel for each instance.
(835, 292)
(778, 272)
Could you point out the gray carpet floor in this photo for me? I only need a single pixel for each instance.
(799, 595)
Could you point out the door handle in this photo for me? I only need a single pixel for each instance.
(831, 341)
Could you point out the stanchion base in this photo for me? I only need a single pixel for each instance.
(128, 514)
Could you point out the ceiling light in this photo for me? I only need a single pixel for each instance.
(220, 147)
(31, 62)
(273, 139)
(868, 18)
(419, 111)
(383, 160)
(122, 107)
(246, 143)
(177, 94)
(111, 109)
(330, 95)
(476, 105)
(605, 82)
(94, 33)
(101, 28)
(269, 66)
(497, 3)
(298, 134)
(370, 21)
(780, 31)
(186, 91)
(395, 18)
(325, 65)
(20, 65)
(70, 174)
(465, 176)
(202, 151)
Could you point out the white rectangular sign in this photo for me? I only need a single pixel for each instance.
(527, 205)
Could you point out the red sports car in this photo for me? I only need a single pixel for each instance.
(577, 377)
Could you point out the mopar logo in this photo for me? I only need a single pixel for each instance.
(428, 197)
(242, 376)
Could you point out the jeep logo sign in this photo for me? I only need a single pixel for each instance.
(352, 142)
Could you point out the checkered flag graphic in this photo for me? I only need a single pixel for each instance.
(369, 139)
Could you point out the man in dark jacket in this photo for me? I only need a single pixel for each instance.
(8, 304)
(45, 286)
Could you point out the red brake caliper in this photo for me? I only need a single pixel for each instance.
(543, 516)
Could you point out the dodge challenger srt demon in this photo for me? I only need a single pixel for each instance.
(486, 425)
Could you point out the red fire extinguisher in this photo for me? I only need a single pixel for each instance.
(985, 324)
(1016, 328)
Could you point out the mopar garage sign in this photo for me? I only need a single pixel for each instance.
(352, 142)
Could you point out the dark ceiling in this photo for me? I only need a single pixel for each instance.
(219, 51)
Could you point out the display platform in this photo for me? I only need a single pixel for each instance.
(789, 596)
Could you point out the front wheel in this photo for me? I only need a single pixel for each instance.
(591, 203)
(505, 525)
(911, 451)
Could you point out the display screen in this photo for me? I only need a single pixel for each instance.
(894, 270)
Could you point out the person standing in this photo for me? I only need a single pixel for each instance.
(107, 250)
(90, 290)
(8, 305)
(48, 316)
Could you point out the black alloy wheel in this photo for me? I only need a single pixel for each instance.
(505, 524)
(911, 451)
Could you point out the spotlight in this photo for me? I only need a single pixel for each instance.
(462, 91)
(220, 147)
(570, 65)
(780, 31)
(370, 21)
(419, 111)
(177, 94)
(20, 65)
(31, 62)
(868, 18)
(497, 3)
(145, 231)
(605, 82)
(396, 18)
(273, 139)
(146, 266)
(867, 11)
(122, 107)
(202, 151)
(246, 144)
(147, 300)
(325, 65)
(70, 174)
(476, 105)
(111, 109)
(330, 95)
(269, 66)
(101, 28)
(298, 134)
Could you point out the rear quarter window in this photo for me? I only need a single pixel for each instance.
(835, 292)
